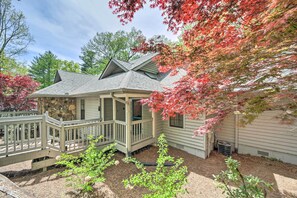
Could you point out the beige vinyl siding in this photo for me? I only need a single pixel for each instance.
(146, 113)
(78, 108)
(159, 124)
(265, 136)
(150, 67)
(92, 108)
(183, 137)
(266, 132)
(226, 130)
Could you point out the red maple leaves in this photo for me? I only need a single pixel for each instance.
(14, 92)
(236, 53)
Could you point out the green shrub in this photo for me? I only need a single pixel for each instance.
(85, 170)
(244, 186)
(164, 181)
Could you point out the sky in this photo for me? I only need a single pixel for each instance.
(64, 26)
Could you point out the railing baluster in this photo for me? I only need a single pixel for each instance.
(14, 137)
(6, 138)
(35, 134)
(22, 135)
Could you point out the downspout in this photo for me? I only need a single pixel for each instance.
(205, 139)
(100, 109)
(236, 126)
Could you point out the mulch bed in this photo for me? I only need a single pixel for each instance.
(47, 184)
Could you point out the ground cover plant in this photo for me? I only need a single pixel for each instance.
(165, 181)
(88, 168)
(244, 186)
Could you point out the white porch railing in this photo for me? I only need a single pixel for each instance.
(17, 113)
(39, 132)
(141, 130)
(120, 132)
(76, 136)
(20, 134)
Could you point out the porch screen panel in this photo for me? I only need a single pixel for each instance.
(108, 109)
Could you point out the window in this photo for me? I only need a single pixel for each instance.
(177, 121)
(82, 109)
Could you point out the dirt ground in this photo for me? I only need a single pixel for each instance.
(47, 184)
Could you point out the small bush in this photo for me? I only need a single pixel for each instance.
(85, 170)
(164, 181)
(244, 186)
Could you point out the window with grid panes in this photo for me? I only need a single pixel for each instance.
(177, 121)
(82, 109)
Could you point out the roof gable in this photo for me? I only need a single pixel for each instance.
(113, 67)
(146, 64)
(57, 77)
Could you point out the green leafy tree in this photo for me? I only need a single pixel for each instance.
(84, 171)
(13, 67)
(163, 182)
(14, 32)
(104, 46)
(70, 66)
(90, 64)
(244, 186)
(44, 67)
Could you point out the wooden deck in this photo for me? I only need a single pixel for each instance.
(40, 136)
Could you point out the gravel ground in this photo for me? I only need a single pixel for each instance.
(47, 184)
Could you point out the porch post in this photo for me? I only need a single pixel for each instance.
(154, 123)
(114, 116)
(128, 125)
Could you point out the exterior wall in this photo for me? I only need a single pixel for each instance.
(159, 124)
(226, 130)
(91, 108)
(147, 114)
(266, 136)
(182, 138)
(58, 107)
(78, 109)
(151, 68)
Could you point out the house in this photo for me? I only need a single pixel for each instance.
(115, 95)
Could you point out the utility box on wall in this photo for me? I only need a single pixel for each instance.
(224, 148)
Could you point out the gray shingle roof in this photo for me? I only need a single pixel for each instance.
(74, 84)
(69, 82)
(130, 80)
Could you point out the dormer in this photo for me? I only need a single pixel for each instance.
(114, 66)
(143, 64)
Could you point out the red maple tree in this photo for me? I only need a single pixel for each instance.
(239, 55)
(14, 92)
